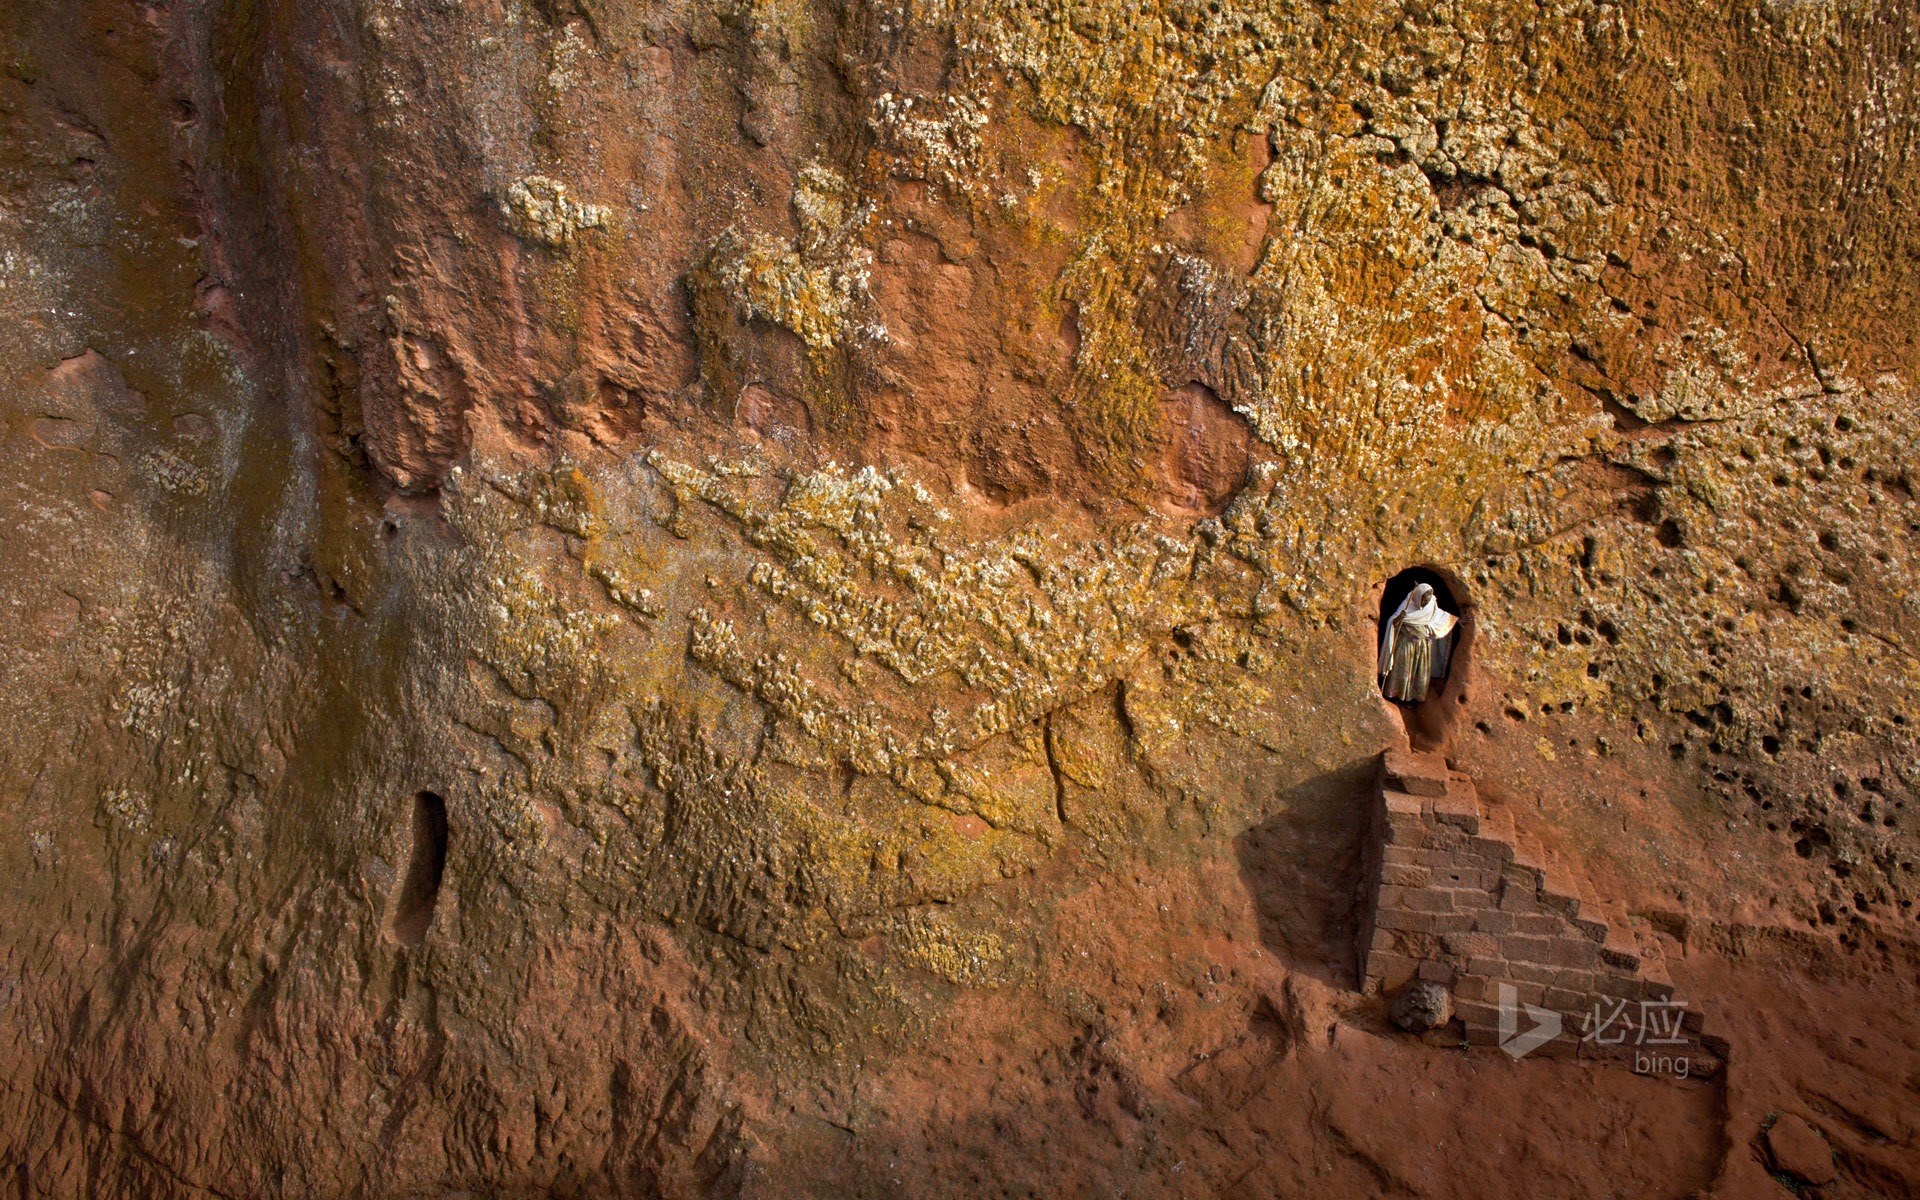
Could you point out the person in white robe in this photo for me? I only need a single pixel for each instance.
(1416, 646)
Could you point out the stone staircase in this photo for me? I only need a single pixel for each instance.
(1453, 900)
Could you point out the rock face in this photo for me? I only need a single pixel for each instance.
(768, 599)
(1797, 1149)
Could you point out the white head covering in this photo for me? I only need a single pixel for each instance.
(1421, 612)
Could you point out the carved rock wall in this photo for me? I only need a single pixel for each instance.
(869, 519)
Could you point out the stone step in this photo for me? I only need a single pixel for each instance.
(1457, 807)
(1496, 823)
(1590, 922)
(1654, 970)
(1621, 950)
(1563, 903)
(1414, 773)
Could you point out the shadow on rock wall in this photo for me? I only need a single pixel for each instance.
(1302, 868)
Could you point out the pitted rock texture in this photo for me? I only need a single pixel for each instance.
(868, 519)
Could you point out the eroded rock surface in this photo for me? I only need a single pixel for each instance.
(770, 599)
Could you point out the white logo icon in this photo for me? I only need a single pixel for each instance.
(1546, 1024)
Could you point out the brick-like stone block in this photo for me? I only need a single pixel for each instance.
(1401, 856)
(1621, 954)
(1419, 774)
(1478, 1014)
(1490, 967)
(1619, 986)
(1446, 837)
(1573, 953)
(1517, 899)
(1404, 811)
(1473, 987)
(1428, 900)
(1396, 803)
(1525, 875)
(1467, 859)
(1491, 850)
(1458, 811)
(1591, 928)
(1566, 1002)
(1527, 949)
(1391, 970)
(1466, 899)
(1634, 988)
(1561, 903)
(1420, 945)
(1425, 922)
(1478, 878)
(1436, 972)
(1495, 921)
(1574, 981)
(1398, 876)
(1497, 822)
(1410, 836)
(1471, 945)
(1538, 924)
(1527, 972)
(1389, 896)
(1524, 992)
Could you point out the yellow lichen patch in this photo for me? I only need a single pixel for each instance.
(771, 282)
(1021, 622)
(816, 287)
(1155, 90)
(965, 957)
(543, 210)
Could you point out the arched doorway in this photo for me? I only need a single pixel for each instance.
(1430, 722)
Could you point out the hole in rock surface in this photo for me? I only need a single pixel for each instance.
(420, 891)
